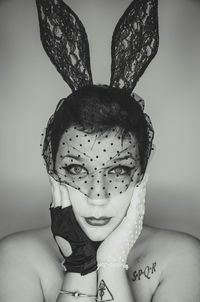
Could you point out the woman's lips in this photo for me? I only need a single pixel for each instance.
(97, 221)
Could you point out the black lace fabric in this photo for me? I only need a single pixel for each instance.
(134, 43)
(65, 41)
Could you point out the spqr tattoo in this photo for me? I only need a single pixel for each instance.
(104, 293)
(147, 272)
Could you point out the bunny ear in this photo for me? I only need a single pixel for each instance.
(65, 41)
(134, 43)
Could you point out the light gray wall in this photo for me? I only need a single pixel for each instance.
(30, 88)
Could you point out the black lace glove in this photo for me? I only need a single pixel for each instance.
(83, 257)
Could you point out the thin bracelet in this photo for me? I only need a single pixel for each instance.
(76, 294)
(102, 300)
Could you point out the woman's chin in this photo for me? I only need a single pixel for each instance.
(98, 235)
(97, 238)
(96, 232)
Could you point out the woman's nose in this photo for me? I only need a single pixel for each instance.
(97, 202)
(97, 189)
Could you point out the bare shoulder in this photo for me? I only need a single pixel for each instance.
(24, 255)
(172, 244)
(28, 243)
(25, 246)
(168, 246)
(176, 257)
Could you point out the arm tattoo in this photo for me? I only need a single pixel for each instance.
(147, 272)
(104, 293)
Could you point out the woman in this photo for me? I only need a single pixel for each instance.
(160, 263)
(96, 149)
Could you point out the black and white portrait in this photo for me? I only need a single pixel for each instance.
(100, 186)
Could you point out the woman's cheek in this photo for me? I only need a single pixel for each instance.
(77, 199)
(121, 211)
(116, 207)
(120, 203)
(78, 209)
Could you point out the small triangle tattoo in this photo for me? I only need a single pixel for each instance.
(104, 293)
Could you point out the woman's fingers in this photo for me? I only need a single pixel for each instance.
(140, 191)
(144, 181)
(52, 191)
(60, 194)
(56, 194)
(137, 204)
(65, 199)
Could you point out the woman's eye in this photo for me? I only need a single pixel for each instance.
(120, 170)
(76, 170)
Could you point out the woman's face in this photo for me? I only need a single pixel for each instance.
(98, 213)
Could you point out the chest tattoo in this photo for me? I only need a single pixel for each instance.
(147, 272)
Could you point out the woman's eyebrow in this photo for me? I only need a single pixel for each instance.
(72, 156)
(78, 158)
(124, 157)
(115, 158)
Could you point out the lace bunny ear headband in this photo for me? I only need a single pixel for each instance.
(134, 44)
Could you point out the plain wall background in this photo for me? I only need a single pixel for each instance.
(30, 88)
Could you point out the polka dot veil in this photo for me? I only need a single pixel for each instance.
(96, 165)
(100, 165)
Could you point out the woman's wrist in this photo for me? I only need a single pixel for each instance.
(78, 282)
(113, 284)
(112, 265)
(108, 269)
(76, 286)
(84, 278)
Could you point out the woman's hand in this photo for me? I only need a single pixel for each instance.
(77, 249)
(115, 248)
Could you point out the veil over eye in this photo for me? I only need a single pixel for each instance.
(97, 170)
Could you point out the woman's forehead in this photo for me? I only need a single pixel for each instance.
(100, 147)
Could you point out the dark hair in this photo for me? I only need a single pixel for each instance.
(99, 108)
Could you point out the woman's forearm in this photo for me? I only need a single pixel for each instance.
(113, 285)
(74, 282)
